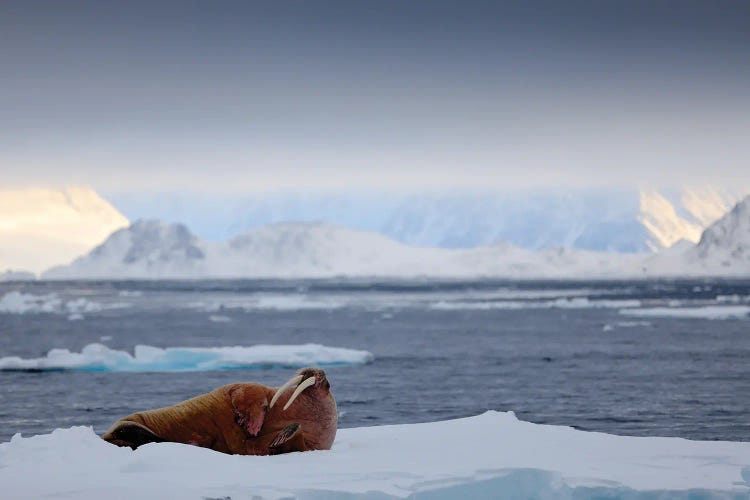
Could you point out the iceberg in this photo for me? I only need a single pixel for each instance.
(493, 455)
(99, 357)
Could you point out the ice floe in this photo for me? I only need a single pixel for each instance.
(560, 303)
(493, 455)
(625, 324)
(218, 318)
(16, 302)
(98, 357)
(704, 312)
(273, 302)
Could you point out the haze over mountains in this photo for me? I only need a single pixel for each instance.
(556, 232)
(153, 249)
(615, 220)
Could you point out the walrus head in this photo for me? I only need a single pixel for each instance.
(311, 381)
(311, 405)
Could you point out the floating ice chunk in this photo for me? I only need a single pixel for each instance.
(584, 303)
(705, 312)
(98, 357)
(16, 302)
(624, 324)
(21, 303)
(218, 318)
(493, 455)
(272, 302)
(732, 299)
(561, 303)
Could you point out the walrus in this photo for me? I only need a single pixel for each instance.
(242, 419)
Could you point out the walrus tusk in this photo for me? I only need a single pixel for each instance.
(304, 385)
(294, 380)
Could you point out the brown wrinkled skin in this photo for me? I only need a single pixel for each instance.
(235, 419)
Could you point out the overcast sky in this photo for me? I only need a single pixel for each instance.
(240, 96)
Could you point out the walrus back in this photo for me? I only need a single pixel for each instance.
(200, 421)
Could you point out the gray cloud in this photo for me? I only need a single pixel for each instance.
(239, 96)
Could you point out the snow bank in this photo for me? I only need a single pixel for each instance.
(98, 357)
(705, 312)
(493, 455)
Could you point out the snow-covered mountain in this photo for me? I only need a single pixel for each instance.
(725, 245)
(152, 250)
(727, 240)
(723, 249)
(40, 228)
(146, 249)
(616, 220)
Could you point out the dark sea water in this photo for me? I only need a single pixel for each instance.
(553, 352)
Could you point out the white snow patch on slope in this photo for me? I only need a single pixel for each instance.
(98, 357)
(707, 205)
(40, 228)
(663, 223)
(493, 455)
(705, 312)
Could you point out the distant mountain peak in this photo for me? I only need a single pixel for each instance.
(729, 237)
(40, 227)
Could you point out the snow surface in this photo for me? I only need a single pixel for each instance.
(705, 312)
(40, 228)
(493, 455)
(98, 357)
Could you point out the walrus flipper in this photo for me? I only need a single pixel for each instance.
(132, 434)
(289, 439)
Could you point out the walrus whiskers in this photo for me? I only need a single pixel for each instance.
(304, 385)
(294, 380)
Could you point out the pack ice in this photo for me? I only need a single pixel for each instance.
(98, 357)
(493, 455)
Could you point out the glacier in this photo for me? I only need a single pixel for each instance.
(99, 357)
(492, 455)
